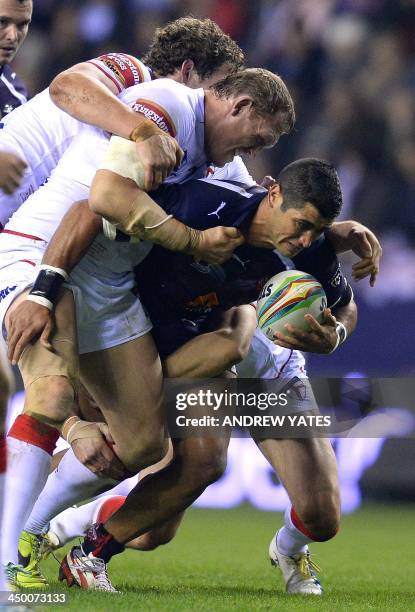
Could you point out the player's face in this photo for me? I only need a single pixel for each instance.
(14, 23)
(295, 229)
(243, 133)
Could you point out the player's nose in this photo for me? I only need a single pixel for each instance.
(12, 33)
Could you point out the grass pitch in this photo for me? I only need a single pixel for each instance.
(218, 561)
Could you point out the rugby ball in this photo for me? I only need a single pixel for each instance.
(286, 298)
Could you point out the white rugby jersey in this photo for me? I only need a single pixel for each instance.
(234, 172)
(39, 132)
(173, 107)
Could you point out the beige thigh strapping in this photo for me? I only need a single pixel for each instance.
(37, 361)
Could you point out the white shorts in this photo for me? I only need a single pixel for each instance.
(107, 314)
(268, 360)
(18, 259)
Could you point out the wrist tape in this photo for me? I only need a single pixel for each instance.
(144, 130)
(148, 221)
(47, 285)
(76, 429)
(341, 335)
(121, 158)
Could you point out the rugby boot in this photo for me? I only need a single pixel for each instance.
(298, 571)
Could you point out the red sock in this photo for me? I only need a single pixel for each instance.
(109, 507)
(28, 429)
(300, 526)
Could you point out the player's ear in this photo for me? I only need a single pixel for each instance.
(275, 195)
(186, 70)
(240, 104)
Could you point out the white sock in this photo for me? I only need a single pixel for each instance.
(123, 487)
(27, 471)
(74, 522)
(69, 484)
(290, 540)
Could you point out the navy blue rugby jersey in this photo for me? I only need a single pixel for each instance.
(13, 93)
(173, 285)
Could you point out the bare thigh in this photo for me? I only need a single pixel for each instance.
(51, 376)
(126, 382)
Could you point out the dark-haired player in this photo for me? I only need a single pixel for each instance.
(290, 216)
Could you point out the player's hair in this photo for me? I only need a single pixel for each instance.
(267, 90)
(311, 180)
(200, 40)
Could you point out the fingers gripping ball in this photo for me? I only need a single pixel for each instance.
(286, 298)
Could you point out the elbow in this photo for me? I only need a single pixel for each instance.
(60, 87)
(101, 196)
(98, 203)
(234, 350)
(95, 203)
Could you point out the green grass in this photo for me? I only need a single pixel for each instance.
(218, 561)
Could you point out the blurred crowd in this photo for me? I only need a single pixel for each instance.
(350, 65)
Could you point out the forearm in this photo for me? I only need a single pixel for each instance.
(88, 100)
(210, 354)
(74, 235)
(339, 235)
(134, 212)
(347, 315)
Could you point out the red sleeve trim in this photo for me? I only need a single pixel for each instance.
(126, 69)
(157, 114)
(113, 79)
(134, 74)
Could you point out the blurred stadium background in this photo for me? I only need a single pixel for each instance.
(350, 65)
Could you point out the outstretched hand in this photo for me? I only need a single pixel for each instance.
(366, 246)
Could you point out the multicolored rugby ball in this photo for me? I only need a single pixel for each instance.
(286, 298)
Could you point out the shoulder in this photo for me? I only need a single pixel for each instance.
(13, 92)
(123, 69)
(165, 90)
(169, 104)
(234, 171)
